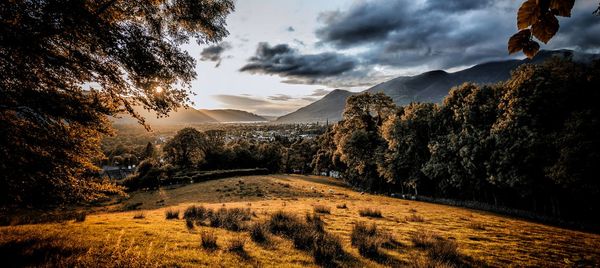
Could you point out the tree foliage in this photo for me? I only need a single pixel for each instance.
(66, 65)
(530, 142)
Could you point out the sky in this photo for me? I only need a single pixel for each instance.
(283, 55)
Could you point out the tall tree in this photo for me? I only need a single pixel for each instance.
(187, 148)
(66, 65)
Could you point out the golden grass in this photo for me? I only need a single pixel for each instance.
(116, 239)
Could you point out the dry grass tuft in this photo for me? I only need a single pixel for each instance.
(139, 215)
(208, 240)
(236, 245)
(172, 214)
(321, 209)
(342, 206)
(415, 218)
(80, 217)
(369, 212)
(259, 233)
(367, 239)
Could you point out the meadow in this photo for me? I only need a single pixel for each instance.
(135, 232)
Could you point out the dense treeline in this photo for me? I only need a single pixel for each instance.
(532, 142)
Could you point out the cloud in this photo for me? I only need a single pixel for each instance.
(290, 29)
(297, 68)
(257, 105)
(280, 97)
(319, 92)
(441, 34)
(214, 53)
(309, 99)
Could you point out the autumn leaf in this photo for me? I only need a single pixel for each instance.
(528, 14)
(531, 48)
(518, 41)
(545, 28)
(562, 7)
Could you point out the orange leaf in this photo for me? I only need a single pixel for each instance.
(545, 28)
(528, 14)
(531, 48)
(562, 7)
(518, 41)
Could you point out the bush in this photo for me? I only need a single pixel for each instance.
(231, 219)
(189, 224)
(326, 249)
(236, 245)
(258, 233)
(139, 215)
(195, 214)
(282, 223)
(415, 218)
(315, 222)
(321, 209)
(80, 217)
(423, 239)
(368, 212)
(208, 240)
(342, 206)
(367, 239)
(444, 250)
(172, 214)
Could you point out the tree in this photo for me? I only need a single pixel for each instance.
(358, 143)
(537, 18)
(187, 149)
(66, 65)
(149, 151)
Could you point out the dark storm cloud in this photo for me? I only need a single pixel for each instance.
(214, 53)
(441, 34)
(286, 62)
(291, 29)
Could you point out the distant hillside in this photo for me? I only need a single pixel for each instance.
(330, 107)
(229, 115)
(430, 86)
(192, 116)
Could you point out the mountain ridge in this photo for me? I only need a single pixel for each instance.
(431, 86)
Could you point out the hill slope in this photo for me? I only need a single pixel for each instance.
(430, 86)
(192, 116)
(330, 107)
(144, 238)
(230, 115)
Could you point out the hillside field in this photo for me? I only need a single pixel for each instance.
(111, 236)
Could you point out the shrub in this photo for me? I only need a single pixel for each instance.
(444, 250)
(423, 239)
(139, 215)
(282, 223)
(342, 206)
(208, 240)
(315, 222)
(326, 249)
(415, 218)
(321, 209)
(303, 237)
(230, 219)
(189, 224)
(367, 239)
(368, 212)
(195, 214)
(258, 233)
(80, 217)
(172, 214)
(236, 245)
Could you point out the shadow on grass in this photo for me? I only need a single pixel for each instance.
(35, 252)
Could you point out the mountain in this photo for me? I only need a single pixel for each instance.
(329, 107)
(191, 116)
(230, 115)
(430, 86)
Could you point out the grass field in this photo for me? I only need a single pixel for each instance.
(144, 237)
